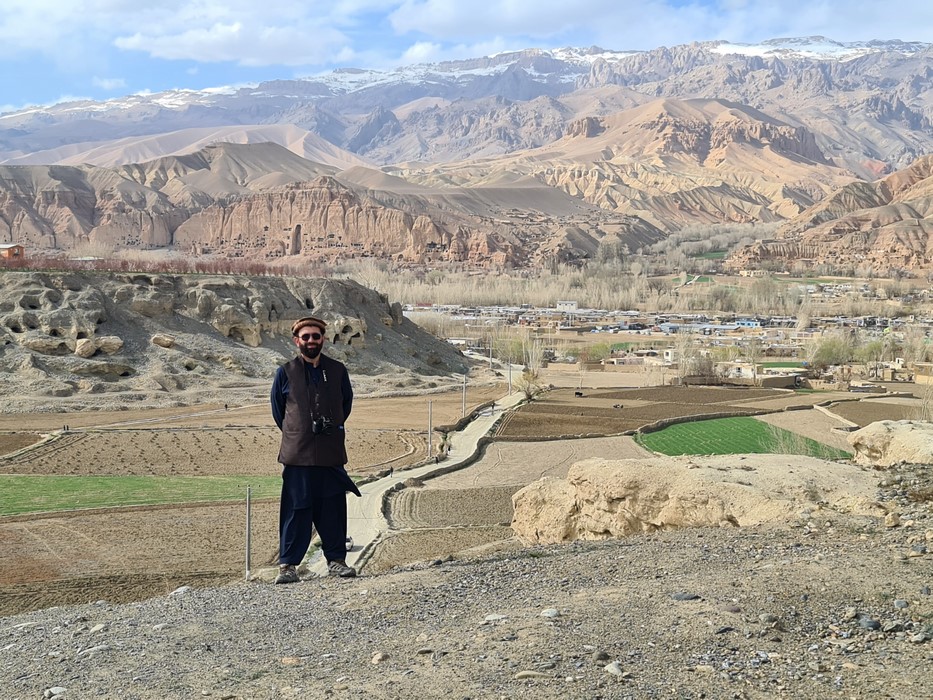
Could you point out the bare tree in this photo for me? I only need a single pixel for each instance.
(917, 347)
(685, 348)
(530, 381)
(753, 351)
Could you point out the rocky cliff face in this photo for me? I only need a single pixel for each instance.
(884, 226)
(325, 220)
(236, 200)
(89, 339)
(63, 206)
(887, 94)
(626, 179)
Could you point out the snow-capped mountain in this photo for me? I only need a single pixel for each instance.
(515, 159)
(818, 48)
(869, 104)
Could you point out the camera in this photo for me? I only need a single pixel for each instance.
(322, 426)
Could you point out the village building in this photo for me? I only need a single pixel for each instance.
(12, 251)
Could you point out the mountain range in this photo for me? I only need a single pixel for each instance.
(518, 159)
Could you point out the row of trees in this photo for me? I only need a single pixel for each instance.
(622, 286)
(642, 283)
(174, 264)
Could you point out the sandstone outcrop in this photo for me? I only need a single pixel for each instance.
(237, 201)
(885, 443)
(94, 337)
(664, 165)
(625, 179)
(326, 220)
(603, 499)
(881, 227)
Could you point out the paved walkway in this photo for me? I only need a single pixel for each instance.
(366, 520)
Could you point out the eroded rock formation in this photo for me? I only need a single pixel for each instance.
(603, 499)
(881, 227)
(886, 443)
(89, 334)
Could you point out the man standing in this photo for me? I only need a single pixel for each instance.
(311, 399)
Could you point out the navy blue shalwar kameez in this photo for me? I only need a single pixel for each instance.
(311, 495)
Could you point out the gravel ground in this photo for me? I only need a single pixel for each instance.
(692, 614)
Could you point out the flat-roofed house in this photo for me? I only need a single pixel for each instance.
(11, 251)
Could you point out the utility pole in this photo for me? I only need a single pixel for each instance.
(248, 529)
(510, 377)
(430, 430)
(463, 407)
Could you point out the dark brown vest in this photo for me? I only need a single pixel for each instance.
(307, 401)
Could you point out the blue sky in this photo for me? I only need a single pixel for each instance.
(54, 50)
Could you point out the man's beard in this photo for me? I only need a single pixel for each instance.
(310, 351)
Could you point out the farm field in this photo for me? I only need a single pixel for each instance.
(120, 554)
(606, 411)
(723, 436)
(128, 553)
(866, 411)
(475, 502)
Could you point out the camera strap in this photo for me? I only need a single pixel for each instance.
(312, 389)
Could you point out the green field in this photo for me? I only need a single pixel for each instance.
(725, 436)
(21, 494)
(783, 365)
(711, 255)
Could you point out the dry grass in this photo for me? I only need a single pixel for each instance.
(784, 442)
(921, 495)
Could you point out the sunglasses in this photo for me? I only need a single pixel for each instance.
(310, 336)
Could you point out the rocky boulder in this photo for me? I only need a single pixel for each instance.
(604, 499)
(109, 344)
(889, 442)
(163, 340)
(89, 347)
(85, 347)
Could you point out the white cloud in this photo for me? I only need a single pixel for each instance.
(422, 52)
(241, 43)
(284, 32)
(109, 84)
(433, 52)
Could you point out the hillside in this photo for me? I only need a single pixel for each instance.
(883, 227)
(70, 341)
(627, 180)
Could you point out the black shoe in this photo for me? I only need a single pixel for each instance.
(288, 573)
(340, 568)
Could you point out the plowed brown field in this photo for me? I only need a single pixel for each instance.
(127, 554)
